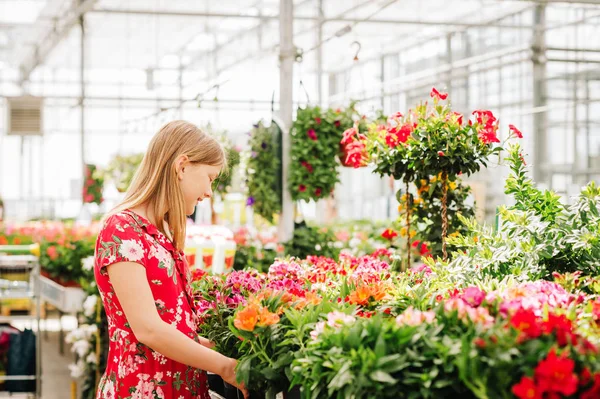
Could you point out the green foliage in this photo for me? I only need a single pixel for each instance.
(538, 235)
(311, 240)
(262, 166)
(316, 136)
(121, 170)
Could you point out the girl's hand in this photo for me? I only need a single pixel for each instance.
(228, 376)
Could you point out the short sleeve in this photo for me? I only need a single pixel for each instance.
(121, 239)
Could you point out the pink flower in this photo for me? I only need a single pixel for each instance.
(312, 134)
(282, 269)
(422, 269)
(441, 153)
(412, 317)
(473, 296)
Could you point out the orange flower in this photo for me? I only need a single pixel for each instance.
(364, 293)
(247, 318)
(361, 296)
(267, 318)
(311, 298)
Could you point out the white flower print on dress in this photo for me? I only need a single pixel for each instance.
(108, 391)
(131, 250)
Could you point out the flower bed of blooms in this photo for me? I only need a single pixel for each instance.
(353, 328)
(63, 246)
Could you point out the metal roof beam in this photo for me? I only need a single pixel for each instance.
(42, 49)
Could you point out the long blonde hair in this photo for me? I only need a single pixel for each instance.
(155, 182)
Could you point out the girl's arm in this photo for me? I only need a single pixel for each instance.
(135, 296)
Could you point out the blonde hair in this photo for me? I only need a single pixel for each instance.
(155, 183)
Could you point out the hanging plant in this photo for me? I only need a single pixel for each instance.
(121, 170)
(92, 185)
(316, 136)
(261, 166)
(222, 183)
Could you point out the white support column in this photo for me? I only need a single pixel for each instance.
(82, 94)
(541, 158)
(286, 79)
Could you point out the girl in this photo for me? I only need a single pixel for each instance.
(154, 351)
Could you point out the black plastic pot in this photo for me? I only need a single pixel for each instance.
(232, 392)
(215, 384)
(293, 394)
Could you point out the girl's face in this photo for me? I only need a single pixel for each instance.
(196, 183)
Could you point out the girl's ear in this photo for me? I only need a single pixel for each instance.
(180, 165)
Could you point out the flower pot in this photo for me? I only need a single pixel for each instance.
(216, 384)
(294, 393)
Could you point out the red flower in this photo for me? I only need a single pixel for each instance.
(52, 252)
(441, 153)
(318, 192)
(302, 188)
(318, 120)
(387, 311)
(436, 94)
(516, 131)
(348, 135)
(527, 322)
(562, 326)
(397, 115)
(312, 134)
(556, 374)
(484, 117)
(337, 123)
(594, 392)
(307, 165)
(488, 135)
(479, 342)
(396, 135)
(526, 389)
(459, 117)
(389, 234)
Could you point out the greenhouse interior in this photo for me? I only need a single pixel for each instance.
(299, 199)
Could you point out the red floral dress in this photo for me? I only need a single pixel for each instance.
(134, 371)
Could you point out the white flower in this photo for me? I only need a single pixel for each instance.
(91, 358)
(318, 247)
(89, 305)
(355, 242)
(77, 369)
(90, 329)
(74, 335)
(338, 244)
(81, 347)
(131, 250)
(87, 263)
